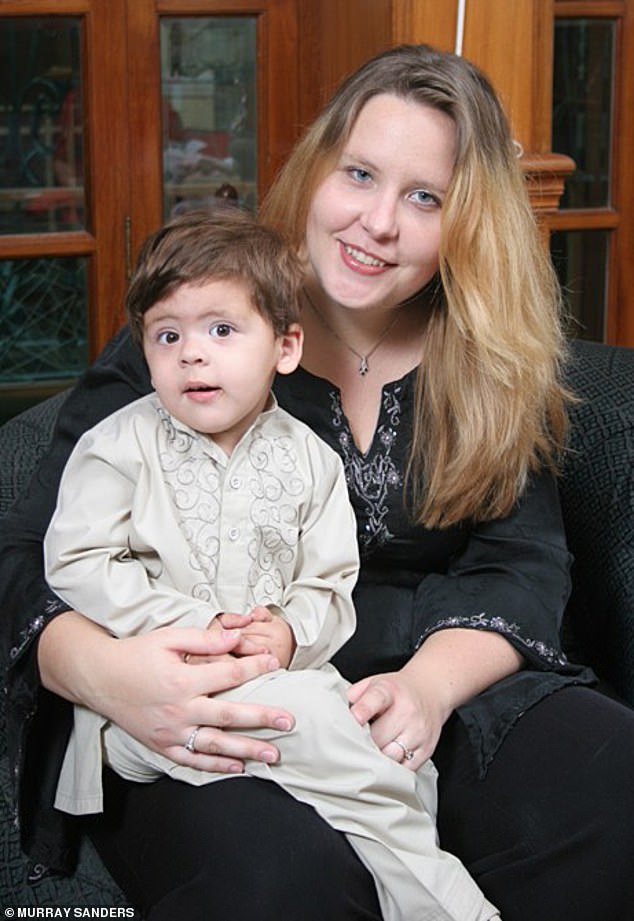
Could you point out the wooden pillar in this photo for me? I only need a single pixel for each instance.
(512, 43)
(337, 36)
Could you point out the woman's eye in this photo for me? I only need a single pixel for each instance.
(421, 197)
(358, 174)
(220, 330)
(167, 337)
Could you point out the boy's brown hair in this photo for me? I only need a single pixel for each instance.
(227, 244)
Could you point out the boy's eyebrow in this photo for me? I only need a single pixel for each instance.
(158, 318)
(214, 313)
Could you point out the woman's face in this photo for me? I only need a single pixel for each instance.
(373, 228)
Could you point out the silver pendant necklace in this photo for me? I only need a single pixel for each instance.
(364, 367)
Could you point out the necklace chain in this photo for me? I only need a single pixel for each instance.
(364, 367)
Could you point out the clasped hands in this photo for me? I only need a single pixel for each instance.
(164, 702)
(260, 631)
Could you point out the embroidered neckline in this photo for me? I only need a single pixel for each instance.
(372, 476)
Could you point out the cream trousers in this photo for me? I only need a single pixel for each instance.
(386, 811)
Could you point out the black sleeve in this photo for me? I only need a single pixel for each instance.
(512, 578)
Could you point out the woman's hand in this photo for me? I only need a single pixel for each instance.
(398, 707)
(406, 710)
(143, 684)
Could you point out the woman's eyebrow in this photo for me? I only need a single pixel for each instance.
(348, 155)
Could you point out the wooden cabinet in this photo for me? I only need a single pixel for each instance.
(114, 113)
(592, 238)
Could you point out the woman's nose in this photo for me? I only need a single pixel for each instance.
(380, 216)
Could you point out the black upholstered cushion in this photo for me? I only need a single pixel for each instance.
(597, 492)
(23, 440)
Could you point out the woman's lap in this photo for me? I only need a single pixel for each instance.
(241, 847)
(547, 833)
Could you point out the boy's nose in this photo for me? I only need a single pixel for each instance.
(191, 353)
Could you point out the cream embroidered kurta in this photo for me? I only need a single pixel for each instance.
(156, 526)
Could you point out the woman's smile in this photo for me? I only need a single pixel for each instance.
(358, 260)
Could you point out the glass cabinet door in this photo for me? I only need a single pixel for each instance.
(226, 85)
(41, 124)
(583, 128)
(64, 189)
(42, 299)
(209, 112)
(593, 123)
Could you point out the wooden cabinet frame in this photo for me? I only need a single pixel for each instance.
(277, 101)
(618, 216)
(304, 48)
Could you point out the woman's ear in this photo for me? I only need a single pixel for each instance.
(291, 345)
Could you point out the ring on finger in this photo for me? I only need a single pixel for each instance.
(408, 754)
(190, 744)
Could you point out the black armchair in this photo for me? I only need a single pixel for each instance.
(597, 492)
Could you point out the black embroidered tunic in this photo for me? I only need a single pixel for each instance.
(510, 576)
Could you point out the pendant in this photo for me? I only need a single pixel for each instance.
(363, 367)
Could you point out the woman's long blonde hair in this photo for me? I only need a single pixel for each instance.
(490, 407)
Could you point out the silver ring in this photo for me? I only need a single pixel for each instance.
(408, 754)
(190, 744)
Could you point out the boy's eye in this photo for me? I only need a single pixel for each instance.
(167, 337)
(220, 330)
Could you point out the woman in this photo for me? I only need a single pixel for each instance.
(431, 364)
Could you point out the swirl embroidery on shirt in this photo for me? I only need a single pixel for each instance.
(373, 476)
(194, 482)
(500, 625)
(277, 489)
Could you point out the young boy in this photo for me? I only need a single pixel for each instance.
(205, 500)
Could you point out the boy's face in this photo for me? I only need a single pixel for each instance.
(212, 357)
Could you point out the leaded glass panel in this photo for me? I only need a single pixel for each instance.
(41, 125)
(583, 107)
(581, 260)
(208, 81)
(43, 320)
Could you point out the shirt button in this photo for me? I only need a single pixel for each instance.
(234, 533)
(235, 482)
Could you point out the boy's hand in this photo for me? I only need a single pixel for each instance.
(261, 631)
